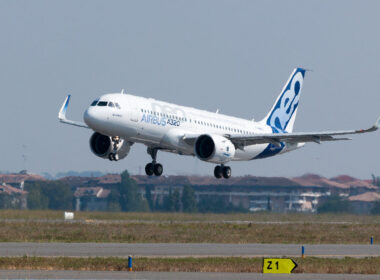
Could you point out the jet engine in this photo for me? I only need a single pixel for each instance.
(214, 148)
(103, 146)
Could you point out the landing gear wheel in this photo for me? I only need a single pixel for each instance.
(149, 169)
(218, 172)
(110, 156)
(153, 167)
(113, 156)
(226, 172)
(158, 169)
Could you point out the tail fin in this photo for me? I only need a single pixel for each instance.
(283, 113)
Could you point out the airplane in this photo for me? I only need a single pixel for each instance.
(119, 120)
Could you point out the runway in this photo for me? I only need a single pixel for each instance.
(25, 274)
(14, 249)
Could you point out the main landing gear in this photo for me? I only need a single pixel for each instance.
(115, 143)
(222, 171)
(153, 167)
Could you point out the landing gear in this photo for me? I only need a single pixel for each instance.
(158, 169)
(222, 171)
(153, 167)
(218, 172)
(113, 156)
(226, 172)
(115, 143)
(149, 169)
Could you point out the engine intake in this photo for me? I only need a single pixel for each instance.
(214, 148)
(101, 145)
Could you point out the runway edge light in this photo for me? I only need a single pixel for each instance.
(130, 263)
(278, 266)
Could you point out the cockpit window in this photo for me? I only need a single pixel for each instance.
(117, 105)
(94, 102)
(102, 103)
(110, 104)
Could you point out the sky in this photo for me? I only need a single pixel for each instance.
(234, 56)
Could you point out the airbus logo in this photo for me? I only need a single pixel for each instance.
(148, 118)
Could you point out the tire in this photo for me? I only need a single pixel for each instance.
(149, 169)
(110, 157)
(218, 172)
(158, 169)
(226, 172)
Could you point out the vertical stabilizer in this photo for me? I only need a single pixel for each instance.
(283, 113)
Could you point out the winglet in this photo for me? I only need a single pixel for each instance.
(372, 128)
(62, 112)
(377, 123)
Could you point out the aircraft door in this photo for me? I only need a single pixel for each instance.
(135, 117)
(134, 114)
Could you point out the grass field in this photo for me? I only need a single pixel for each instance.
(197, 217)
(231, 264)
(48, 226)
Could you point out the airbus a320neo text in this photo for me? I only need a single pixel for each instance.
(119, 120)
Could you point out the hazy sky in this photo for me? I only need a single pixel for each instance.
(231, 55)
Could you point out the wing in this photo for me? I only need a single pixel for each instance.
(62, 114)
(297, 137)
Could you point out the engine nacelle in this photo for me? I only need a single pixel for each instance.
(214, 148)
(101, 145)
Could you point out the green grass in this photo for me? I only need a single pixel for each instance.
(306, 233)
(48, 226)
(197, 217)
(368, 265)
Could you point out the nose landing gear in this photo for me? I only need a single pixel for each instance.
(153, 167)
(222, 171)
(115, 143)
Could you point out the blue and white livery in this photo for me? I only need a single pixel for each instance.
(119, 120)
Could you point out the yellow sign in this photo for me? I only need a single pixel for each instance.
(278, 265)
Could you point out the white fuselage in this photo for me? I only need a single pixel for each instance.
(164, 125)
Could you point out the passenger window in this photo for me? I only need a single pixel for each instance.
(102, 103)
(94, 102)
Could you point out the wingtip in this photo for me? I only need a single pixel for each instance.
(304, 69)
(377, 124)
(62, 111)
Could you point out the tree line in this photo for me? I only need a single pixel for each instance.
(126, 197)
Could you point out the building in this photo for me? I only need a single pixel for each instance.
(364, 203)
(278, 194)
(91, 199)
(11, 197)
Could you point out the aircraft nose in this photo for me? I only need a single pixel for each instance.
(89, 117)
